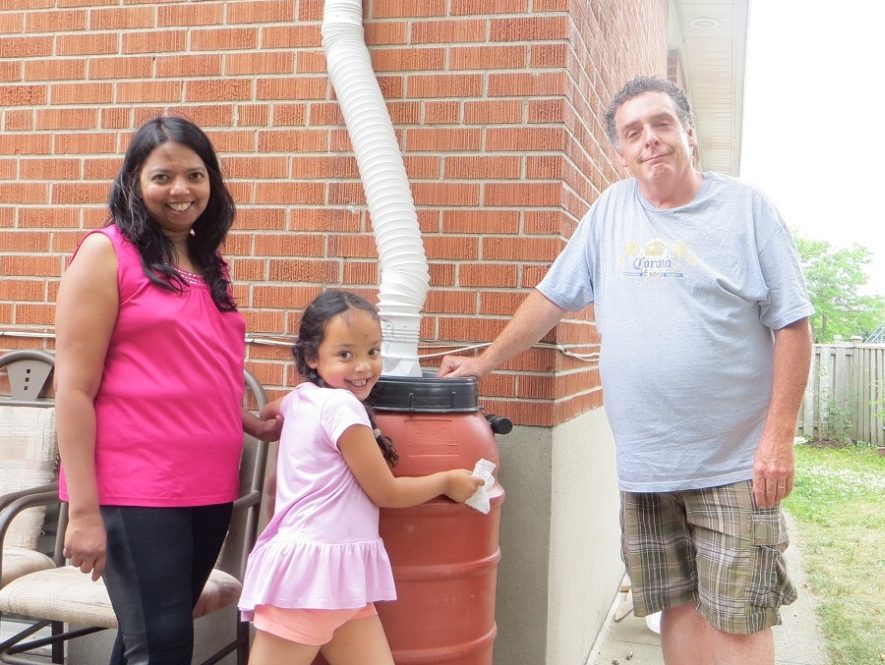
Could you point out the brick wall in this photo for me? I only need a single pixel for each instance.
(498, 115)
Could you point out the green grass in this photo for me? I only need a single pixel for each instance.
(839, 506)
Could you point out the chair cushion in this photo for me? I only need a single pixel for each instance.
(18, 561)
(27, 459)
(65, 594)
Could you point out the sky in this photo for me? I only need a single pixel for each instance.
(814, 132)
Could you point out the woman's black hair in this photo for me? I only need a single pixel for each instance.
(311, 332)
(128, 212)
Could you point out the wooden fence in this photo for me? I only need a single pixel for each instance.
(845, 396)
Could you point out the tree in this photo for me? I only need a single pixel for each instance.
(834, 278)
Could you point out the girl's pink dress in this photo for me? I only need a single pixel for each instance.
(321, 549)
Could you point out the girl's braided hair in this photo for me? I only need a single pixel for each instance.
(311, 332)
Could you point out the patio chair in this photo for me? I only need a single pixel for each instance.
(65, 595)
(27, 459)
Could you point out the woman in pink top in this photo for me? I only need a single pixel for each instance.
(320, 563)
(149, 387)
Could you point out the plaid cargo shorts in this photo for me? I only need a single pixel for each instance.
(711, 547)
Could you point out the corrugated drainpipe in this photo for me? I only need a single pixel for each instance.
(402, 262)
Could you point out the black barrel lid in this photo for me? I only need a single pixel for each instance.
(425, 394)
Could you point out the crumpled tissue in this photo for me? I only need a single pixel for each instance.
(480, 499)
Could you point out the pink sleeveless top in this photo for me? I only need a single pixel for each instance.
(169, 428)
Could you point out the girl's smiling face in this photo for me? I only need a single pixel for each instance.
(349, 356)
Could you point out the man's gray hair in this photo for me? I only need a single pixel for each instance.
(641, 85)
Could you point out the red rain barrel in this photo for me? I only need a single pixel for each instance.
(444, 554)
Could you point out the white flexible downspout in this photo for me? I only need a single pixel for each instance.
(403, 264)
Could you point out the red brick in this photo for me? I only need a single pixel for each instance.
(55, 217)
(19, 120)
(11, 193)
(523, 139)
(267, 11)
(346, 193)
(479, 167)
(22, 95)
(443, 139)
(262, 62)
(324, 219)
(119, 18)
(545, 167)
(26, 47)
(546, 111)
(480, 221)
(289, 244)
(487, 57)
(264, 321)
(361, 272)
(448, 32)
(444, 85)
(526, 85)
(529, 28)
(80, 193)
(303, 193)
(450, 247)
(522, 194)
(422, 166)
(12, 23)
(215, 90)
(386, 33)
(547, 56)
(58, 69)
(408, 8)
(542, 222)
(81, 93)
(21, 289)
(325, 167)
(256, 167)
(292, 36)
(282, 296)
(24, 241)
(260, 218)
(206, 116)
(520, 249)
(181, 66)
(490, 7)
(38, 266)
(252, 115)
(441, 113)
(50, 169)
(301, 270)
(11, 72)
(289, 88)
(28, 144)
(446, 194)
(203, 13)
(352, 246)
(34, 314)
(497, 112)
(486, 274)
(224, 39)
(87, 44)
(310, 62)
(407, 59)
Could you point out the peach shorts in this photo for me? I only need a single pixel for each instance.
(310, 627)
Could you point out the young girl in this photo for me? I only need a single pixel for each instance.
(320, 563)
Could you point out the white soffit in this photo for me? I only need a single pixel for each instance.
(712, 38)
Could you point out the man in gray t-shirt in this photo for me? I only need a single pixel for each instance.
(702, 311)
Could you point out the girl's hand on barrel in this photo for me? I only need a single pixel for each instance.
(461, 484)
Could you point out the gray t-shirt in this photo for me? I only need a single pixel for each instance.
(686, 302)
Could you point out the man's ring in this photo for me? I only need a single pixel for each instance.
(782, 486)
